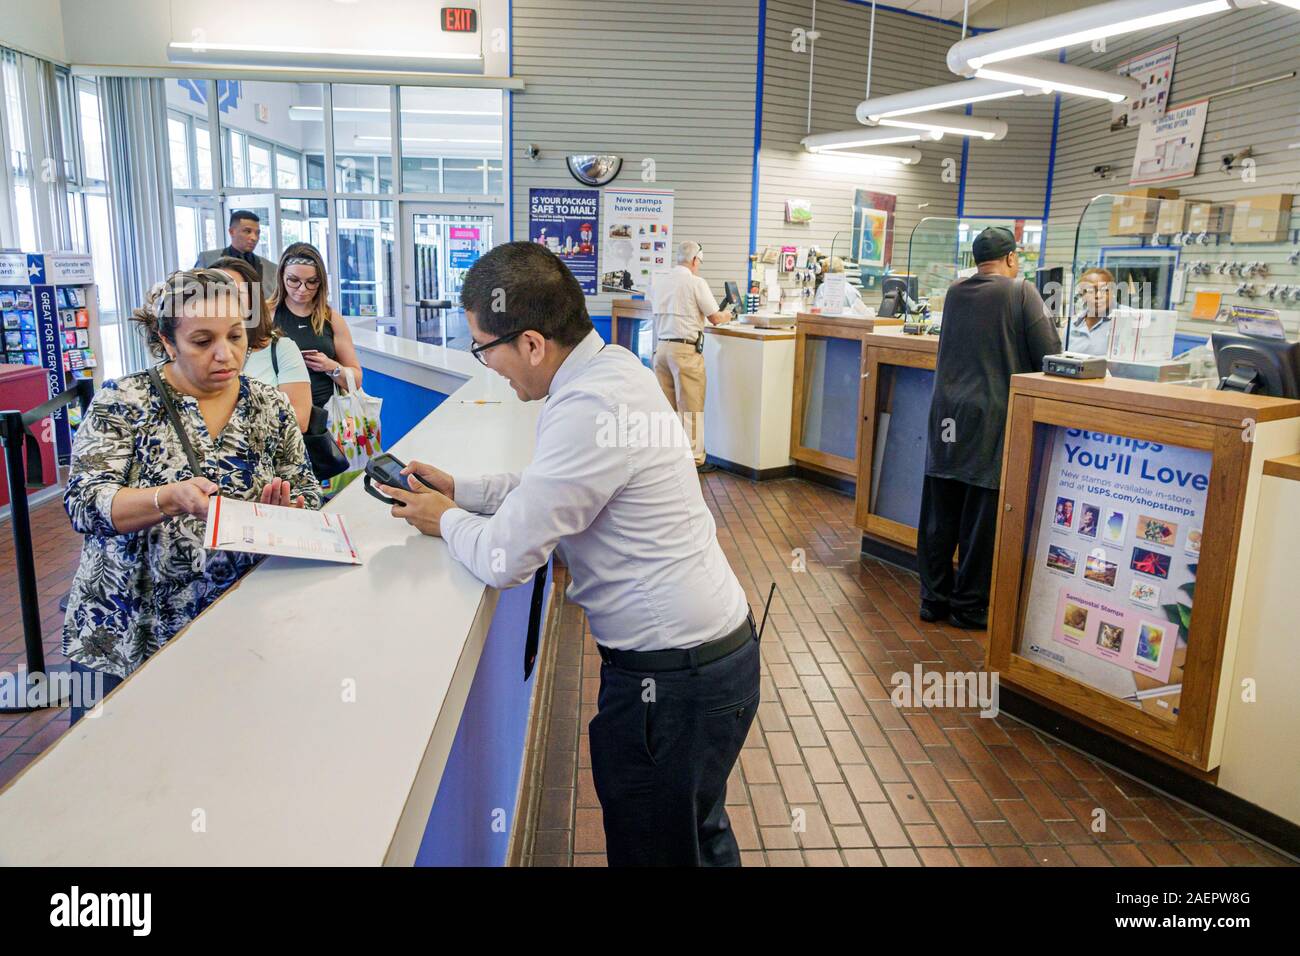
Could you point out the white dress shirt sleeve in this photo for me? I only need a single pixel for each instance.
(704, 299)
(483, 494)
(573, 476)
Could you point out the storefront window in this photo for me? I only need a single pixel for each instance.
(203, 154)
(178, 143)
(362, 138)
(463, 176)
(259, 165)
(236, 163)
(365, 257)
(450, 139)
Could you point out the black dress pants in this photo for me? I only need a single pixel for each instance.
(957, 517)
(662, 746)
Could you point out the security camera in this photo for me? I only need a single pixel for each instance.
(1230, 161)
(1101, 172)
(532, 151)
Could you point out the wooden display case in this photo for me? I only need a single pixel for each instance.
(897, 380)
(1235, 434)
(829, 362)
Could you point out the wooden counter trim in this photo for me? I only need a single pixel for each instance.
(1288, 467)
(631, 307)
(1170, 401)
(857, 324)
(926, 344)
(759, 335)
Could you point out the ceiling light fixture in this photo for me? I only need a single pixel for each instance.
(935, 98)
(859, 138)
(313, 114)
(1053, 77)
(1070, 29)
(320, 57)
(959, 124)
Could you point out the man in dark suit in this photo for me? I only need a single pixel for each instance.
(245, 231)
(995, 325)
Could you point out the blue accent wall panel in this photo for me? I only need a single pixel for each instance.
(1184, 342)
(602, 324)
(830, 421)
(405, 405)
(902, 465)
(474, 811)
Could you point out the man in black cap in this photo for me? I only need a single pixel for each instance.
(994, 325)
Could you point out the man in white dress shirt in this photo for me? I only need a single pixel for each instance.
(622, 506)
(682, 303)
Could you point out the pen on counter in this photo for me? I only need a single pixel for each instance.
(478, 401)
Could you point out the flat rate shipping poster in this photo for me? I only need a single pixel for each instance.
(1154, 72)
(1115, 557)
(567, 221)
(637, 239)
(1168, 148)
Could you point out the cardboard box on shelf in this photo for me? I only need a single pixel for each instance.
(1134, 213)
(1171, 217)
(1262, 218)
(1211, 217)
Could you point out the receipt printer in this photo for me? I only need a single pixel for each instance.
(1075, 365)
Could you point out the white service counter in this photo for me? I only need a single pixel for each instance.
(748, 398)
(307, 716)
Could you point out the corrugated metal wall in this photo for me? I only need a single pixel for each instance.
(909, 53)
(1214, 53)
(671, 81)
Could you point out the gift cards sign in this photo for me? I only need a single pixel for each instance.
(1115, 558)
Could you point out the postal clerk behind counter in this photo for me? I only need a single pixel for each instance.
(1127, 460)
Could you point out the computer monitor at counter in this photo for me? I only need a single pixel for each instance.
(1257, 365)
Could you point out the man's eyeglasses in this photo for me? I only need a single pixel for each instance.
(478, 350)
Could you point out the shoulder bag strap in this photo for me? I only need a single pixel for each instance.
(174, 417)
(275, 363)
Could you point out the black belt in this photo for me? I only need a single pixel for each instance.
(683, 341)
(677, 659)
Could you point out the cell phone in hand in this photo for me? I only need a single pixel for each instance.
(386, 469)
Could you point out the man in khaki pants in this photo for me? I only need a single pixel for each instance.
(682, 304)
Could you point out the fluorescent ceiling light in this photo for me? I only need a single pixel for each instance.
(1070, 29)
(428, 139)
(870, 143)
(901, 155)
(957, 123)
(1053, 77)
(198, 46)
(858, 138)
(315, 113)
(357, 59)
(935, 98)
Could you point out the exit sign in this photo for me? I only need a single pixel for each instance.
(459, 19)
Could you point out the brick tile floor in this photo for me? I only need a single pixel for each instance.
(877, 785)
(57, 550)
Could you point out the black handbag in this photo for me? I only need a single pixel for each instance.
(327, 459)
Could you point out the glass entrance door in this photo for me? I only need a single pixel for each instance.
(440, 243)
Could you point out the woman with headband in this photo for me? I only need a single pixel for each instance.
(149, 454)
(304, 314)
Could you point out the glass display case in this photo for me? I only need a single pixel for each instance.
(939, 250)
(1214, 262)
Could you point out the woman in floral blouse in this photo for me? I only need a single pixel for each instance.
(144, 573)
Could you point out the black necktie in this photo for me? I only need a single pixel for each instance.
(534, 621)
